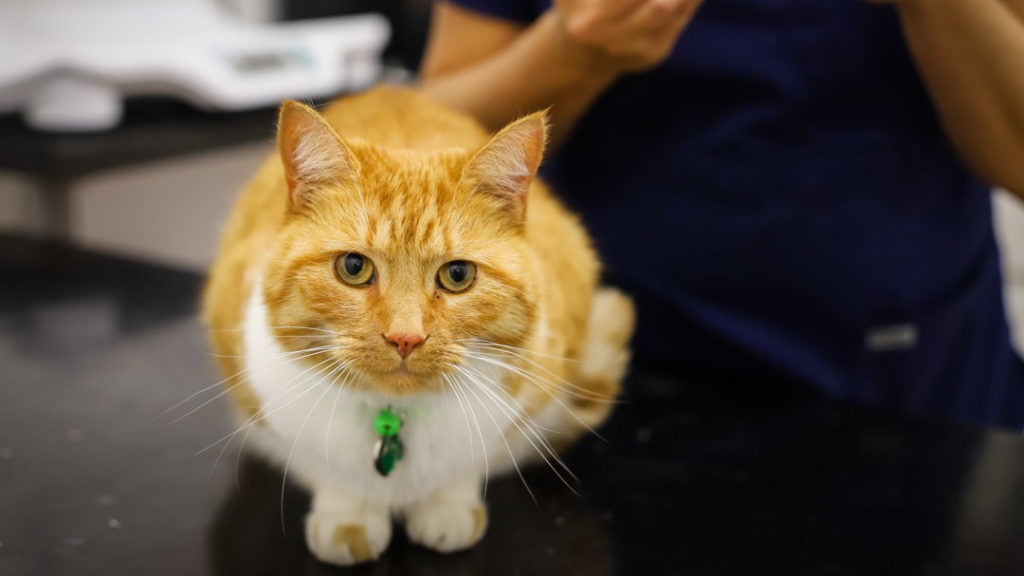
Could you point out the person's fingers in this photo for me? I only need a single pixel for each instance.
(659, 17)
(640, 38)
(671, 6)
(654, 27)
(614, 10)
(684, 12)
(596, 19)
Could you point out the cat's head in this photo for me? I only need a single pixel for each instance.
(396, 260)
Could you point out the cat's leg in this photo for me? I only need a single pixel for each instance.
(605, 355)
(451, 519)
(344, 530)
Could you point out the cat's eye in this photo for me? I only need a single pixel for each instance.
(354, 269)
(456, 276)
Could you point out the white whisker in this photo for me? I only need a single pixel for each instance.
(501, 434)
(515, 417)
(233, 386)
(285, 327)
(465, 417)
(479, 431)
(298, 436)
(536, 380)
(514, 349)
(259, 415)
(548, 386)
(495, 348)
(235, 375)
(327, 437)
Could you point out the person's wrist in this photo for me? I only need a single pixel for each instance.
(582, 64)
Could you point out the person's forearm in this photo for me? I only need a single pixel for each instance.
(971, 56)
(540, 68)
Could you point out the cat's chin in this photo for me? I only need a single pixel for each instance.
(404, 382)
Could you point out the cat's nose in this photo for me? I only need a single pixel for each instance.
(404, 343)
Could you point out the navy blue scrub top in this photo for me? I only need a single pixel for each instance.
(781, 200)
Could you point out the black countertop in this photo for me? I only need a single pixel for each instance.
(152, 129)
(694, 479)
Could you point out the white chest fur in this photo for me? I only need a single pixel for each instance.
(324, 433)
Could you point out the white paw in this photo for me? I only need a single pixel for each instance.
(346, 537)
(446, 526)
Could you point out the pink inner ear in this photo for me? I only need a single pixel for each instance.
(508, 163)
(534, 144)
(311, 151)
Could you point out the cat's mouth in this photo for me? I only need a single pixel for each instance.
(404, 380)
(384, 371)
(405, 368)
(402, 367)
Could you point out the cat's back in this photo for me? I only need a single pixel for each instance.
(404, 119)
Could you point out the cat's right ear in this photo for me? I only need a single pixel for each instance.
(505, 166)
(312, 153)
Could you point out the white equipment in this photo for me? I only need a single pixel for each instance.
(68, 64)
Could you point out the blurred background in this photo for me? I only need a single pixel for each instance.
(142, 152)
(149, 162)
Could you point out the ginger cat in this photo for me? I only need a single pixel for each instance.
(403, 310)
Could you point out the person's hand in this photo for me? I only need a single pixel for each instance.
(621, 36)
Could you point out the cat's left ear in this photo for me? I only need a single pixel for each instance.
(505, 166)
(312, 152)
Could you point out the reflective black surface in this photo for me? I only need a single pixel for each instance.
(693, 479)
(152, 129)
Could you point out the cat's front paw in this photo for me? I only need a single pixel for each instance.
(446, 526)
(346, 537)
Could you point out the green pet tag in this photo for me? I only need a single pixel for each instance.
(389, 449)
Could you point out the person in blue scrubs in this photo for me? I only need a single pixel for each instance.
(792, 190)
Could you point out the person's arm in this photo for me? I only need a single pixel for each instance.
(496, 70)
(971, 56)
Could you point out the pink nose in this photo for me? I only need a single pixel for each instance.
(404, 343)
